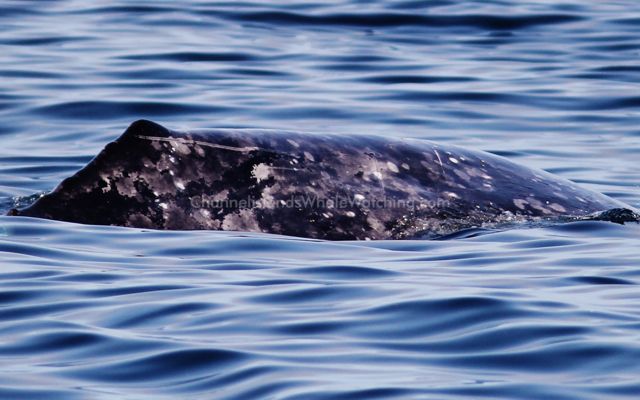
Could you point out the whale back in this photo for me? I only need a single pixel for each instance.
(318, 186)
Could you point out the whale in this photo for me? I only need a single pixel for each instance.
(332, 187)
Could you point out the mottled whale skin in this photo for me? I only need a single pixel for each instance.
(364, 187)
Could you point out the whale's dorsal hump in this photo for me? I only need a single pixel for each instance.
(143, 128)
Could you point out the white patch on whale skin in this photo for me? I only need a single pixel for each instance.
(243, 220)
(107, 182)
(560, 195)
(520, 203)
(309, 156)
(392, 167)
(537, 205)
(462, 175)
(221, 196)
(376, 224)
(261, 172)
(452, 195)
(203, 217)
(557, 207)
(425, 164)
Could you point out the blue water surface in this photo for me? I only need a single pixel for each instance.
(114, 313)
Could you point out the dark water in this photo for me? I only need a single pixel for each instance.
(111, 313)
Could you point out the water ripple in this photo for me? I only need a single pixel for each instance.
(87, 109)
(193, 57)
(144, 324)
(373, 20)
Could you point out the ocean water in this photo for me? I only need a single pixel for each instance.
(113, 313)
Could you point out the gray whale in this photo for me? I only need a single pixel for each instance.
(336, 187)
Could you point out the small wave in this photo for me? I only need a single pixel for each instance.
(398, 79)
(194, 57)
(386, 20)
(43, 41)
(342, 272)
(122, 109)
(179, 364)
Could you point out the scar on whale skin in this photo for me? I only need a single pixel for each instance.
(335, 187)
